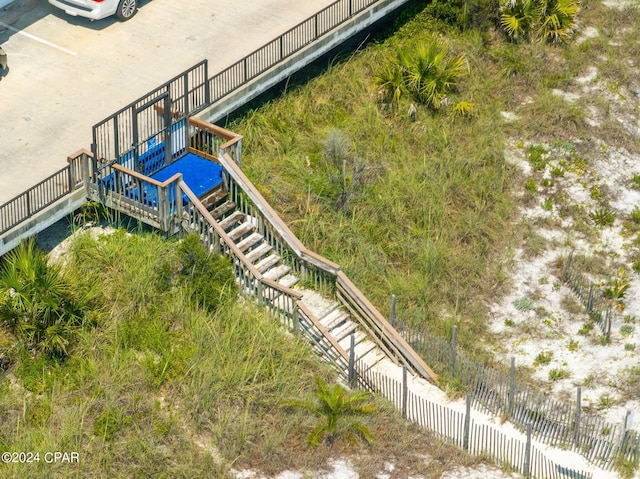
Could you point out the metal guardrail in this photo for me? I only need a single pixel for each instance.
(189, 93)
(290, 42)
(43, 194)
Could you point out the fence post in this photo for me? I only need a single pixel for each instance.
(626, 425)
(405, 391)
(392, 315)
(527, 454)
(609, 323)
(567, 268)
(352, 361)
(512, 386)
(294, 318)
(467, 422)
(576, 431)
(260, 291)
(454, 341)
(590, 299)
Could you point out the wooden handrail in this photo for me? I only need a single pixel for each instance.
(323, 330)
(217, 130)
(386, 328)
(78, 153)
(291, 239)
(234, 248)
(380, 322)
(148, 179)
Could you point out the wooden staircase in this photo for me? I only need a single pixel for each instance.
(241, 229)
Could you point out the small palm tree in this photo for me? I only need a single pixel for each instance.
(36, 302)
(557, 19)
(338, 412)
(426, 72)
(546, 20)
(518, 17)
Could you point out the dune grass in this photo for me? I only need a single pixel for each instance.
(436, 214)
(160, 384)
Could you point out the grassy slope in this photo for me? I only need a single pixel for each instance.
(436, 211)
(437, 220)
(158, 388)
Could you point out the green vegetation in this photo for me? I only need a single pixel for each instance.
(38, 304)
(546, 20)
(337, 412)
(543, 358)
(165, 375)
(426, 72)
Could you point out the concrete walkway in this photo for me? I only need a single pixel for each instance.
(66, 73)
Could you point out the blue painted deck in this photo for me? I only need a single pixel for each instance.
(199, 174)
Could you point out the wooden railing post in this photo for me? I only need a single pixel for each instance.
(392, 314)
(352, 360)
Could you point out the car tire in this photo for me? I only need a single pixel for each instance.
(126, 9)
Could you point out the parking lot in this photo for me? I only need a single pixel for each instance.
(66, 73)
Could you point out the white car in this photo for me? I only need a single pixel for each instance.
(98, 9)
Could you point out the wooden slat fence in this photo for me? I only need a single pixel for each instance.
(597, 305)
(554, 422)
(460, 429)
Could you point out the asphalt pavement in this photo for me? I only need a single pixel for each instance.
(68, 73)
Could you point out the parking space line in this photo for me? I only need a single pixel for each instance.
(38, 39)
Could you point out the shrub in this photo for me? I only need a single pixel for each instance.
(523, 304)
(545, 20)
(427, 73)
(603, 216)
(38, 303)
(543, 358)
(209, 277)
(557, 374)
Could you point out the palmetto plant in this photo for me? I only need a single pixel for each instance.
(557, 19)
(36, 302)
(338, 412)
(517, 17)
(546, 20)
(616, 289)
(427, 72)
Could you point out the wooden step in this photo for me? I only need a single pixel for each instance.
(327, 311)
(278, 272)
(258, 252)
(250, 241)
(229, 221)
(345, 342)
(240, 231)
(342, 330)
(267, 263)
(214, 198)
(289, 280)
(222, 210)
(333, 319)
